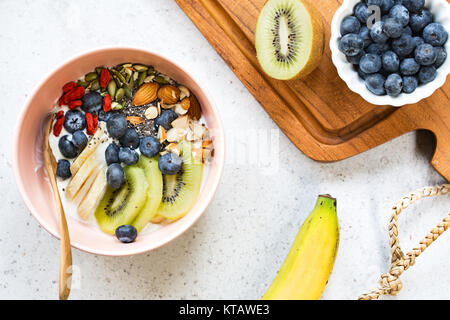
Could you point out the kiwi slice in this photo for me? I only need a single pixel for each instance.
(121, 206)
(180, 191)
(289, 39)
(154, 192)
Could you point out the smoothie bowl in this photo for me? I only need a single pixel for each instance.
(139, 146)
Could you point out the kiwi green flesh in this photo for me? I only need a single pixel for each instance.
(180, 191)
(154, 192)
(283, 39)
(121, 206)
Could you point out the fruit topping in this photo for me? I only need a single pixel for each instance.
(351, 44)
(427, 74)
(105, 76)
(92, 102)
(115, 176)
(63, 169)
(91, 123)
(57, 128)
(75, 104)
(410, 84)
(69, 86)
(74, 121)
(67, 147)
(370, 63)
(170, 163)
(128, 156)
(107, 102)
(116, 125)
(112, 154)
(130, 139)
(149, 146)
(375, 84)
(79, 140)
(393, 84)
(435, 34)
(126, 233)
(165, 119)
(425, 54)
(350, 25)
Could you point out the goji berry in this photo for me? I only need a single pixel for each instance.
(69, 86)
(91, 123)
(75, 104)
(107, 103)
(58, 125)
(104, 78)
(74, 94)
(60, 102)
(59, 114)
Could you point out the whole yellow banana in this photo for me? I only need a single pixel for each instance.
(305, 272)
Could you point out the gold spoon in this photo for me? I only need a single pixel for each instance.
(65, 279)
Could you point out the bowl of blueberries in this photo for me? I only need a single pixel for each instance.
(392, 52)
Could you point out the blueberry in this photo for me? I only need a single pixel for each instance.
(63, 169)
(149, 146)
(378, 3)
(418, 41)
(112, 154)
(350, 25)
(427, 74)
(403, 46)
(117, 125)
(378, 34)
(115, 176)
(92, 102)
(393, 85)
(104, 116)
(435, 34)
(165, 119)
(74, 121)
(413, 5)
(410, 84)
(378, 48)
(392, 28)
(400, 13)
(390, 61)
(386, 5)
(364, 33)
(355, 59)
(130, 139)
(128, 156)
(67, 147)
(170, 163)
(441, 56)
(375, 84)
(425, 54)
(420, 20)
(79, 140)
(126, 233)
(407, 30)
(409, 67)
(362, 74)
(370, 63)
(362, 12)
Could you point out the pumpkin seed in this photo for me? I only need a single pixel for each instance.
(98, 70)
(127, 65)
(116, 106)
(119, 75)
(94, 85)
(119, 94)
(131, 83)
(112, 86)
(128, 92)
(90, 76)
(140, 67)
(82, 83)
(142, 76)
(160, 80)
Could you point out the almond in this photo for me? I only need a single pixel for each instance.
(175, 134)
(184, 92)
(197, 154)
(185, 103)
(135, 120)
(207, 144)
(195, 112)
(174, 148)
(147, 93)
(198, 131)
(206, 154)
(162, 135)
(180, 122)
(179, 109)
(169, 94)
(166, 106)
(151, 112)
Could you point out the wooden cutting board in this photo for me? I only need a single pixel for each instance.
(319, 114)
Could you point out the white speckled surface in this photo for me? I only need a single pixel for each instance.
(235, 249)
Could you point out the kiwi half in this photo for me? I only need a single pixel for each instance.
(180, 191)
(154, 192)
(121, 206)
(289, 39)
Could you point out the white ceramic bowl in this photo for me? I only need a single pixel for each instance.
(441, 11)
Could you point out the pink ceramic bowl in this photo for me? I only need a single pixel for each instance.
(31, 176)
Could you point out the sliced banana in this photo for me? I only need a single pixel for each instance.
(97, 190)
(87, 169)
(97, 139)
